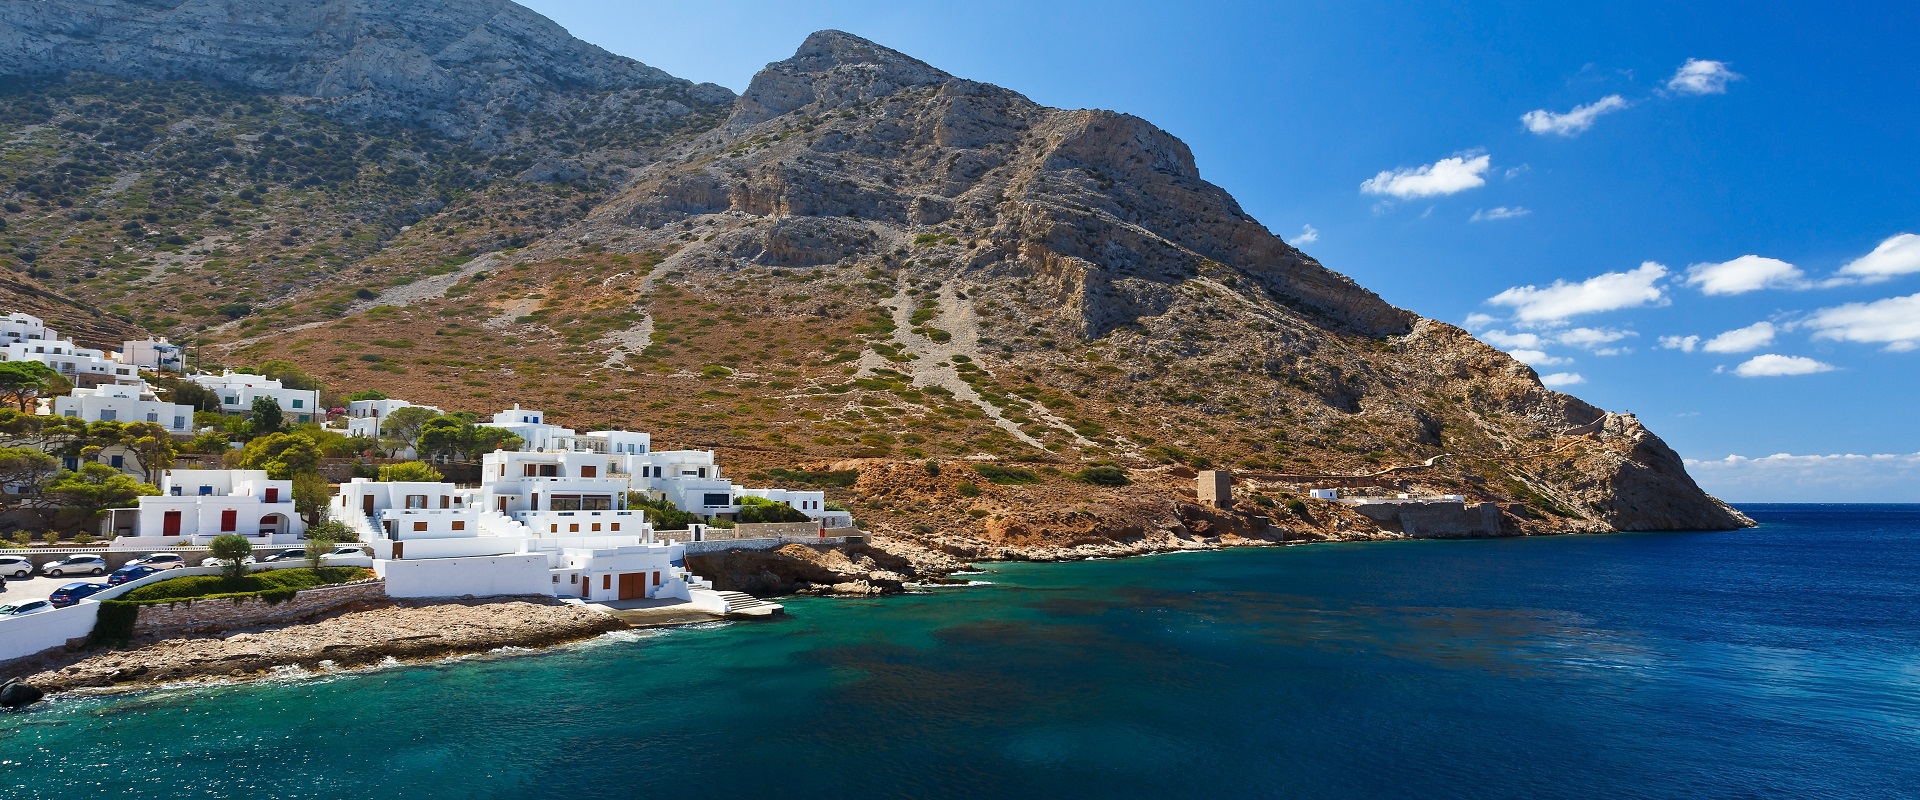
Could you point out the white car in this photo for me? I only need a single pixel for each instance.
(16, 566)
(160, 561)
(221, 562)
(347, 557)
(75, 565)
(29, 607)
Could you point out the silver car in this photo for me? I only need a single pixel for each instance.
(75, 565)
(29, 607)
(16, 566)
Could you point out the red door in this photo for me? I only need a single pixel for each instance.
(273, 494)
(229, 521)
(366, 505)
(170, 524)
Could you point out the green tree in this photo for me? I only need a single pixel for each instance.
(93, 489)
(22, 382)
(282, 455)
(211, 443)
(310, 495)
(320, 541)
(410, 472)
(332, 529)
(760, 509)
(662, 513)
(24, 471)
(484, 439)
(151, 443)
(401, 429)
(267, 417)
(441, 436)
(233, 549)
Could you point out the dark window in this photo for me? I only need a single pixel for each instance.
(714, 499)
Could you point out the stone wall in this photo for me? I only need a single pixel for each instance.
(1435, 519)
(221, 613)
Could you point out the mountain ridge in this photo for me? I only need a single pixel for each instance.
(873, 264)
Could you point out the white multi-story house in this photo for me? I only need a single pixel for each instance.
(124, 402)
(555, 534)
(365, 416)
(237, 391)
(18, 327)
(81, 366)
(158, 355)
(532, 428)
(195, 505)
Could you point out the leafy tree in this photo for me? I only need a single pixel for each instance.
(23, 472)
(320, 541)
(93, 489)
(151, 443)
(401, 429)
(440, 436)
(310, 495)
(22, 382)
(282, 455)
(333, 529)
(662, 512)
(233, 549)
(410, 472)
(267, 417)
(485, 439)
(760, 509)
(210, 443)
(455, 435)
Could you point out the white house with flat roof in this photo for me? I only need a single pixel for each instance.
(532, 428)
(158, 355)
(81, 366)
(124, 402)
(237, 391)
(364, 418)
(196, 505)
(18, 327)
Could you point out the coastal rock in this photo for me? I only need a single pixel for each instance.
(15, 694)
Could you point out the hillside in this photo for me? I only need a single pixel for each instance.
(870, 265)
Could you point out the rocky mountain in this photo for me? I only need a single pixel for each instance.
(995, 328)
(476, 71)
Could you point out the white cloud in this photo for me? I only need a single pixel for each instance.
(1684, 344)
(1898, 255)
(1447, 176)
(1838, 478)
(1894, 322)
(1502, 212)
(1308, 235)
(1593, 338)
(1479, 320)
(1537, 358)
(1741, 340)
(1560, 379)
(1575, 122)
(1745, 274)
(1508, 341)
(1773, 366)
(1700, 76)
(1609, 292)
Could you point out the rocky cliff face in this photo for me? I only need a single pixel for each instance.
(470, 69)
(945, 302)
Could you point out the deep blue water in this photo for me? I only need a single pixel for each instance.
(1777, 662)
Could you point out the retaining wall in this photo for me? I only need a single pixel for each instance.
(221, 613)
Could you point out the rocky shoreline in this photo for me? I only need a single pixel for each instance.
(402, 631)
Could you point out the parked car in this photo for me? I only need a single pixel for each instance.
(285, 555)
(3, 583)
(348, 550)
(16, 566)
(161, 560)
(221, 562)
(75, 565)
(29, 607)
(74, 592)
(131, 572)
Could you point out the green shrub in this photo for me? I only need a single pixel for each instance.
(1005, 476)
(410, 472)
(1104, 476)
(933, 468)
(760, 509)
(279, 583)
(114, 624)
(1296, 506)
(967, 490)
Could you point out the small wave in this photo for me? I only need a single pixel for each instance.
(511, 649)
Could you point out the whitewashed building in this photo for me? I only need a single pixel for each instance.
(158, 355)
(365, 416)
(124, 402)
(237, 391)
(196, 505)
(532, 428)
(81, 366)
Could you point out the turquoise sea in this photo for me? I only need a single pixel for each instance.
(1777, 662)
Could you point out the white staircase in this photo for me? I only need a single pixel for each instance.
(748, 605)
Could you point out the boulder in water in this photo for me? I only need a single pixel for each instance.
(15, 694)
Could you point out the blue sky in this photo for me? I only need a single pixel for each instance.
(1580, 186)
